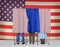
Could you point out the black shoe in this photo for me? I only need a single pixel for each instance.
(18, 43)
(23, 42)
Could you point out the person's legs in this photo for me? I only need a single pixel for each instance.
(30, 34)
(23, 41)
(42, 37)
(18, 38)
(42, 41)
(33, 38)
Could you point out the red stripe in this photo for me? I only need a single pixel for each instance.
(5, 39)
(53, 34)
(6, 26)
(55, 27)
(14, 34)
(55, 20)
(55, 13)
(8, 33)
(44, 0)
(48, 7)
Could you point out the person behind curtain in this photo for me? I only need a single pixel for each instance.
(33, 22)
(44, 15)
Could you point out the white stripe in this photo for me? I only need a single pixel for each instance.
(55, 24)
(55, 17)
(6, 37)
(5, 23)
(42, 3)
(58, 37)
(55, 31)
(12, 37)
(5, 30)
(55, 10)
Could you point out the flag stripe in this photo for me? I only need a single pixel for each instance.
(14, 34)
(55, 31)
(12, 38)
(5, 30)
(55, 27)
(55, 17)
(55, 24)
(6, 26)
(5, 23)
(43, 3)
(55, 10)
(55, 20)
(55, 13)
(44, 0)
(8, 33)
(43, 6)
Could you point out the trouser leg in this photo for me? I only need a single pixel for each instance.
(33, 38)
(23, 41)
(18, 38)
(30, 38)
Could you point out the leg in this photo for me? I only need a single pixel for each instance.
(33, 38)
(30, 37)
(18, 38)
(23, 41)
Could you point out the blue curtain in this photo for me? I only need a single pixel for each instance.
(33, 20)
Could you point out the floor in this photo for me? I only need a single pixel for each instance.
(10, 43)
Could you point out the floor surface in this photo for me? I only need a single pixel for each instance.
(10, 43)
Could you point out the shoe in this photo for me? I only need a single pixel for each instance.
(42, 41)
(23, 42)
(18, 43)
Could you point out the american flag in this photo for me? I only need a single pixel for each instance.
(6, 15)
(6, 12)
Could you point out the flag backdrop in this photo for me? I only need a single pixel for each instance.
(6, 15)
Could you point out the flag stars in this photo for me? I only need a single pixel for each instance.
(2, 8)
(10, 12)
(15, 2)
(5, 11)
(0, 0)
(15, 6)
(5, 17)
(5, 1)
(2, 19)
(20, 2)
(5, 6)
(0, 16)
(2, 3)
(10, 6)
(10, 17)
(22, 5)
(2, 13)
(10, 1)
(7, 14)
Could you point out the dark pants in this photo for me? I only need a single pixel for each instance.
(31, 37)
